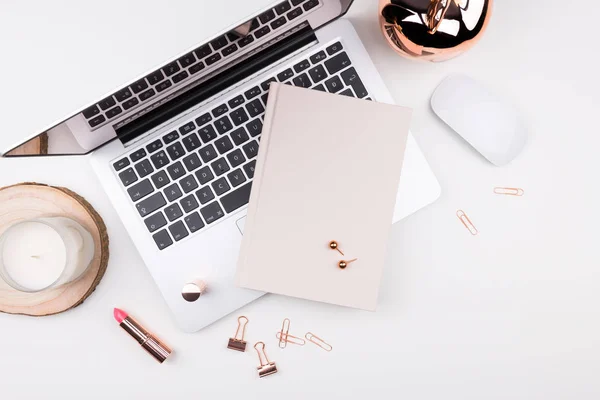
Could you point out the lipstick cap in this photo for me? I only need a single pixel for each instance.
(157, 349)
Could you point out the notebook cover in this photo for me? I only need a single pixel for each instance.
(328, 168)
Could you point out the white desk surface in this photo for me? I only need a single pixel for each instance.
(512, 313)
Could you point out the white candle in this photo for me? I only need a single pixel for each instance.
(43, 253)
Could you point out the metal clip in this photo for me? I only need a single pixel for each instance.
(467, 222)
(285, 330)
(266, 367)
(318, 341)
(509, 191)
(291, 339)
(236, 342)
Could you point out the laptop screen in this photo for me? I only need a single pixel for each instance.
(187, 81)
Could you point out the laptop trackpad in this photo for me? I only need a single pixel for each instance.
(240, 224)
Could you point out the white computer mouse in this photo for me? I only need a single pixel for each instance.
(488, 123)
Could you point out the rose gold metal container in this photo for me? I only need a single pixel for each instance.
(433, 30)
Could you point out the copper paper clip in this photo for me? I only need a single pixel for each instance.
(237, 342)
(467, 222)
(318, 341)
(285, 330)
(291, 339)
(266, 367)
(509, 191)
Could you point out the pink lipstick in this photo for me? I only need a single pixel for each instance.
(151, 344)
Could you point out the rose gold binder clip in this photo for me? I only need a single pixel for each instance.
(509, 191)
(318, 341)
(467, 222)
(237, 342)
(266, 367)
(284, 336)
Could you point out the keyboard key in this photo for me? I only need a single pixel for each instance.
(236, 101)
(203, 119)
(265, 85)
(139, 86)
(220, 166)
(236, 177)
(173, 212)
(171, 68)
(219, 43)
(316, 58)
(194, 222)
(123, 94)
(194, 69)
(301, 66)
(187, 60)
(180, 76)
(178, 231)
(212, 212)
(155, 77)
(160, 179)
(223, 125)
(262, 32)
(282, 7)
(285, 75)
(239, 136)
(191, 142)
(220, 110)
(350, 76)
(173, 192)
(255, 108)
(296, 2)
(334, 84)
(107, 103)
(267, 16)
(147, 94)
(250, 168)
(264, 98)
(347, 92)
(97, 121)
(238, 198)
(223, 144)
(159, 160)
(163, 86)
(113, 112)
(155, 221)
(337, 63)
(320, 88)
(204, 175)
(192, 162)
(90, 112)
(150, 204)
(255, 91)
(176, 170)
(317, 73)
(205, 195)
(189, 203)
(187, 128)
(334, 48)
(295, 13)
(239, 116)
(175, 151)
(254, 127)
(310, 4)
(140, 190)
(208, 153)
(130, 103)
(122, 163)
(277, 23)
(232, 36)
(207, 133)
(229, 49)
(251, 149)
(188, 184)
(236, 158)
(162, 239)
(246, 41)
(144, 168)
(302, 81)
(220, 186)
(137, 155)
(213, 59)
(202, 51)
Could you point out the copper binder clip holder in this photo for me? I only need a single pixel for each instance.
(237, 342)
(266, 367)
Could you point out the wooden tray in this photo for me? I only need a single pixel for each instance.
(33, 200)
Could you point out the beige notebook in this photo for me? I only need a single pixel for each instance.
(328, 168)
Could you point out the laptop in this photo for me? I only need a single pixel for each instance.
(176, 150)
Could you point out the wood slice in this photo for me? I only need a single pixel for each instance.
(33, 200)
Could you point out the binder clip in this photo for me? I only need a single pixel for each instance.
(237, 342)
(266, 367)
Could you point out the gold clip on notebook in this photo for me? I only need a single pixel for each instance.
(328, 169)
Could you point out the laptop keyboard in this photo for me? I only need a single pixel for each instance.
(197, 174)
(176, 72)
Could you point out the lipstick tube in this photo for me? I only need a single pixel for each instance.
(151, 344)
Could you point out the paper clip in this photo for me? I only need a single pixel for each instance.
(266, 367)
(318, 341)
(509, 191)
(236, 342)
(285, 330)
(467, 222)
(291, 339)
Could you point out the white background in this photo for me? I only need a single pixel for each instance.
(511, 313)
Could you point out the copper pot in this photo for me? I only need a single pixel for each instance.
(433, 30)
